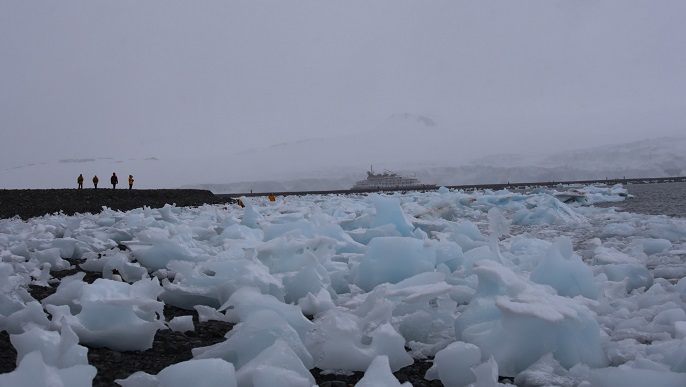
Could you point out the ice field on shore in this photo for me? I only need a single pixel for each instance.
(488, 283)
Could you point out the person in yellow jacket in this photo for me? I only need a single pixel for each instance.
(79, 180)
(240, 203)
(130, 181)
(272, 198)
(95, 181)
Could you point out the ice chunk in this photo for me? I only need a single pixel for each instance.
(517, 322)
(636, 275)
(486, 374)
(547, 210)
(452, 365)
(58, 349)
(206, 313)
(250, 215)
(618, 229)
(198, 373)
(33, 372)
(498, 225)
(31, 315)
(154, 249)
(181, 324)
(195, 372)
(629, 377)
(342, 340)
(379, 374)
(52, 256)
(248, 339)
(393, 259)
(388, 211)
(565, 271)
(212, 283)
(545, 372)
(652, 246)
(276, 365)
(247, 301)
(313, 304)
(115, 314)
(67, 293)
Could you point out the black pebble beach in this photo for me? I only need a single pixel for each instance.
(28, 203)
(168, 347)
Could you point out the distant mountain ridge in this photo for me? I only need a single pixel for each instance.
(430, 148)
(660, 157)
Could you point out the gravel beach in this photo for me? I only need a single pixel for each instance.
(168, 347)
(28, 203)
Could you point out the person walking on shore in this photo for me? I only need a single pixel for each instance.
(79, 180)
(130, 181)
(95, 181)
(114, 180)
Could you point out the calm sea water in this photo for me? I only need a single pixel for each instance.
(655, 199)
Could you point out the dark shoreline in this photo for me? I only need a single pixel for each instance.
(29, 203)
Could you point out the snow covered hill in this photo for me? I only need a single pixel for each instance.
(662, 157)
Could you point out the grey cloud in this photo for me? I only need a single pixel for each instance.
(84, 160)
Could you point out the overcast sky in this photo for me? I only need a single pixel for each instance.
(166, 79)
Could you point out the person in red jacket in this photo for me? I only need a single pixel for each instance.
(114, 180)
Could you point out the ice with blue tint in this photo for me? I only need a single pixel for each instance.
(251, 216)
(393, 259)
(652, 246)
(58, 349)
(388, 211)
(263, 320)
(248, 339)
(32, 315)
(379, 374)
(565, 271)
(277, 362)
(155, 248)
(215, 373)
(489, 283)
(109, 261)
(547, 210)
(453, 365)
(114, 314)
(14, 295)
(32, 371)
(635, 377)
(342, 340)
(509, 312)
(211, 283)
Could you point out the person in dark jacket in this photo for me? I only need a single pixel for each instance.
(79, 180)
(95, 181)
(130, 181)
(114, 180)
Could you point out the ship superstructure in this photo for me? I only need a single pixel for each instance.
(388, 180)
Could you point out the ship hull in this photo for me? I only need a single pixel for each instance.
(413, 187)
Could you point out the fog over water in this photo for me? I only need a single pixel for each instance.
(209, 88)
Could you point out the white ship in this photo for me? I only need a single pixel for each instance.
(389, 181)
